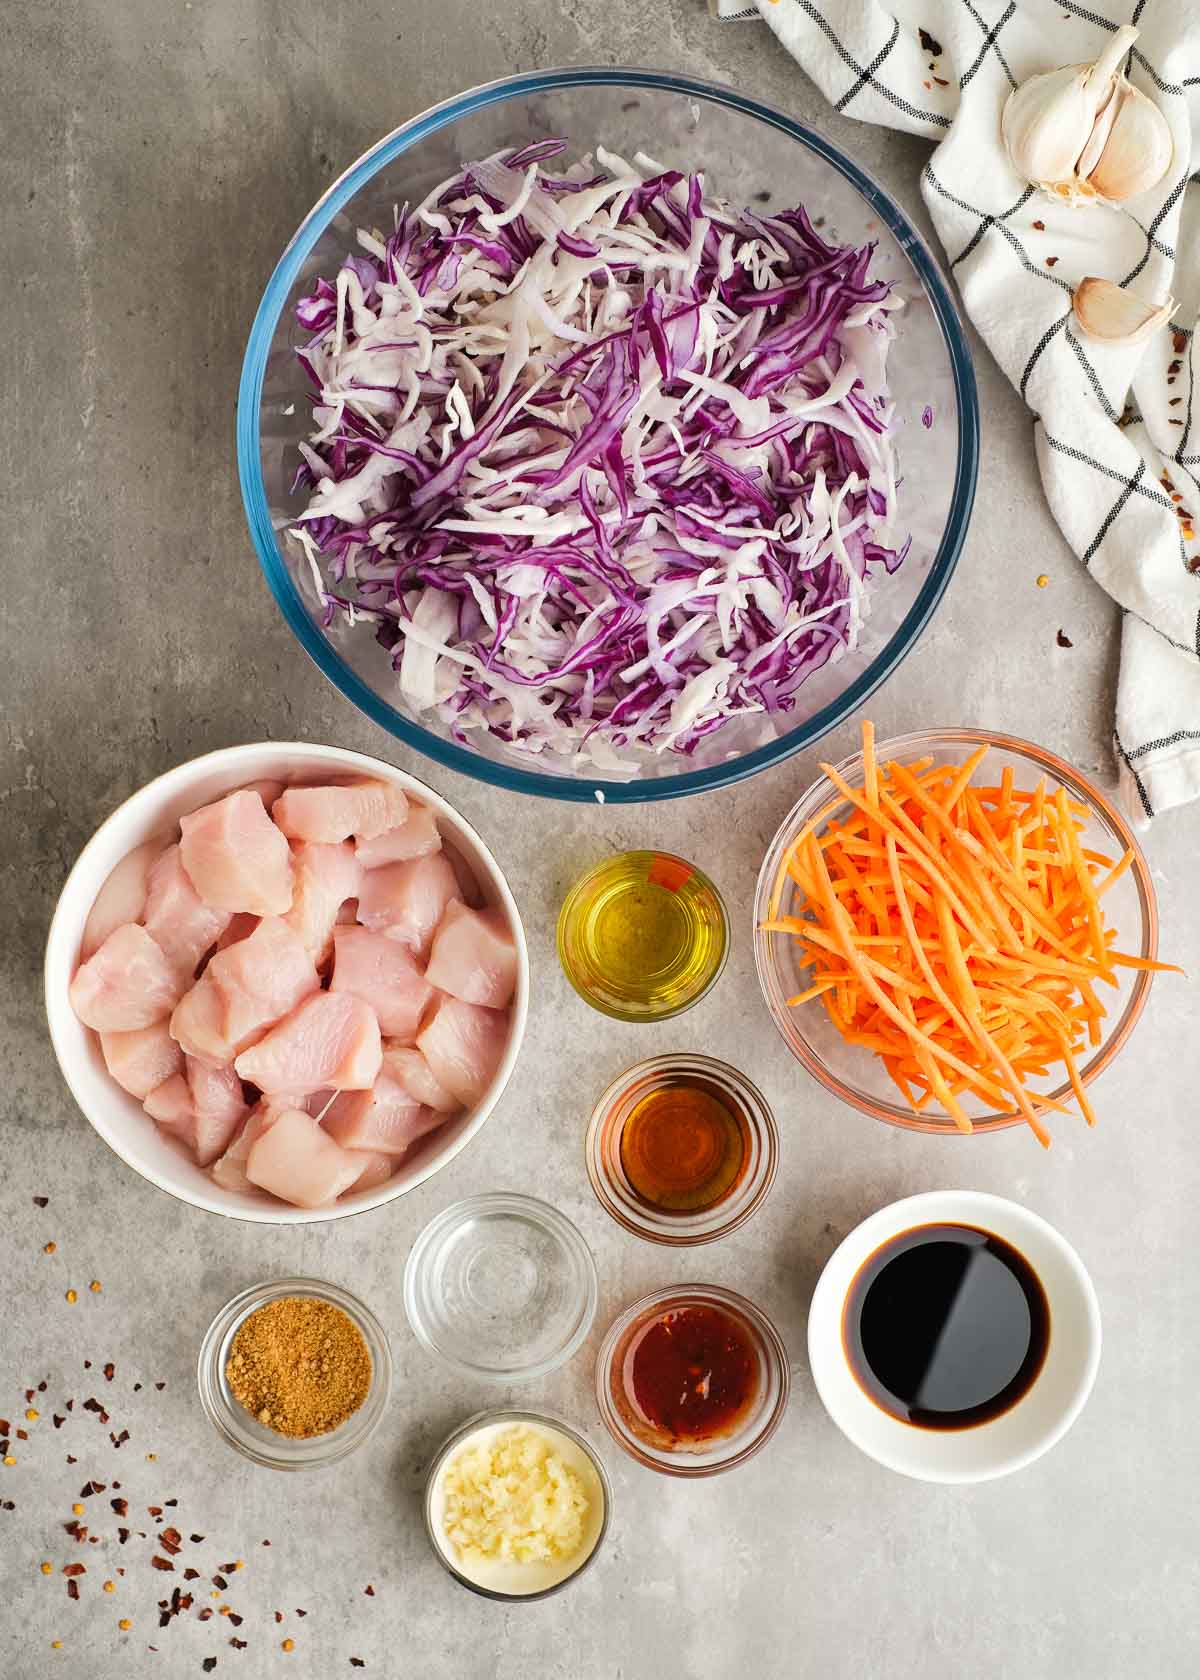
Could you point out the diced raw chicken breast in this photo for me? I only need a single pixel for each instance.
(324, 878)
(236, 857)
(177, 918)
(408, 899)
(332, 1039)
(257, 981)
(409, 1068)
(385, 1117)
(121, 899)
(218, 1106)
(473, 956)
(298, 1161)
(463, 1044)
(267, 790)
(170, 1104)
(229, 1171)
(381, 972)
(416, 837)
(240, 926)
(127, 983)
(468, 886)
(329, 814)
(377, 1168)
(141, 1060)
(198, 1021)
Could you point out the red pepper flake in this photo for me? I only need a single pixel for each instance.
(204, 1615)
(69, 1404)
(1063, 639)
(41, 1201)
(220, 1581)
(238, 1644)
(87, 1364)
(928, 43)
(302, 1612)
(154, 1510)
(370, 1591)
(22, 1434)
(928, 86)
(1179, 342)
(89, 1488)
(137, 1388)
(1169, 423)
(110, 1371)
(279, 1615)
(42, 1386)
(119, 1440)
(58, 1421)
(236, 1619)
(160, 1386)
(357, 1662)
(122, 1535)
(1174, 402)
(191, 1574)
(209, 1664)
(74, 1569)
(6, 1429)
(196, 1539)
(72, 1589)
(171, 1540)
(941, 81)
(7, 1505)
(266, 1542)
(1040, 226)
(162, 1563)
(1050, 261)
(170, 1501)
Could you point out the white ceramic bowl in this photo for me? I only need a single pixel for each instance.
(118, 1117)
(1028, 1429)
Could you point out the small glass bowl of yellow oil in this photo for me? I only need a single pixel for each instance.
(643, 936)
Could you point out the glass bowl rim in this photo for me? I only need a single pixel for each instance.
(548, 1216)
(517, 1414)
(1044, 761)
(737, 1305)
(762, 1122)
(462, 759)
(226, 1421)
(569, 908)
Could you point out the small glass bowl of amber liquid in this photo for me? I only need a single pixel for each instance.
(682, 1150)
(643, 936)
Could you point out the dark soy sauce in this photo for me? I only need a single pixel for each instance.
(946, 1326)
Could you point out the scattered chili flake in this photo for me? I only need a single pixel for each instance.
(5, 1427)
(1173, 402)
(41, 1201)
(58, 1421)
(204, 1615)
(154, 1510)
(288, 1645)
(70, 1569)
(279, 1615)
(47, 1569)
(160, 1386)
(1174, 422)
(87, 1364)
(220, 1581)
(162, 1563)
(928, 86)
(236, 1619)
(1174, 367)
(191, 1574)
(110, 1586)
(170, 1501)
(1179, 342)
(170, 1540)
(119, 1440)
(69, 1404)
(71, 1297)
(137, 1387)
(124, 1624)
(266, 1542)
(50, 1248)
(196, 1539)
(1063, 639)
(238, 1644)
(302, 1612)
(89, 1488)
(209, 1664)
(1050, 261)
(76, 1530)
(929, 43)
(7, 1505)
(1040, 227)
(357, 1662)
(42, 1386)
(72, 1589)
(122, 1535)
(370, 1591)
(21, 1434)
(941, 81)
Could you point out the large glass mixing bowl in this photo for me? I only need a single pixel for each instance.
(750, 153)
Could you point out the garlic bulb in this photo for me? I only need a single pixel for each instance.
(1083, 132)
(1113, 316)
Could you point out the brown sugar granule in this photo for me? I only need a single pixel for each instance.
(300, 1366)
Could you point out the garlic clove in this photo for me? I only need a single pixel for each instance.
(1113, 316)
(1138, 150)
(1049, 121)
(1098, 139)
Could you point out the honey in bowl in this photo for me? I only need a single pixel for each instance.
(690, 1376)
(684, 1145)
(946, 1326)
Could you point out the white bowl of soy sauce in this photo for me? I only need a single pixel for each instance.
(954, 1336)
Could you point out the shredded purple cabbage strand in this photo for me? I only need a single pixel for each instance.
(606, 462)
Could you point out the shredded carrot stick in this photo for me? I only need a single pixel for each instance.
(955, 929)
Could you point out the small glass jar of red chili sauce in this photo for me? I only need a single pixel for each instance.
(692, 1381)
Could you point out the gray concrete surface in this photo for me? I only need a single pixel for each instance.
(156, 157)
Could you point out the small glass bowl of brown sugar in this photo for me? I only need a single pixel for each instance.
(294, 1373)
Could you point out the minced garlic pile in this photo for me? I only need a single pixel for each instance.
(512, 1499)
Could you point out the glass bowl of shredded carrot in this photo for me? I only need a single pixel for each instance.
(956, 932)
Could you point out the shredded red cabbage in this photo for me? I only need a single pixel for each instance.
(606, 462)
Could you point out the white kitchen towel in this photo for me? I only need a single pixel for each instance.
(1117, 433)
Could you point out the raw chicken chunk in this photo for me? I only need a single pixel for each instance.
(332, 1039)
(463, 1044)
(473, 956)
(236, 857)
(377, 1168)
(170, 1104)
(385, 1118)
(121, 899)
(408, 899)
(416, 837)
(324, 878)
(127, 983)
(177, 918)
(296, 1160)
(230, 1170)
(141, 1060)
(381, 972)
(409, 1068)
(329, 814)
(244, 990)
(267, 789)
(218, 1107)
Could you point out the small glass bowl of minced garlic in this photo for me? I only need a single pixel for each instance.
(516, 1504)
(294, 1373)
